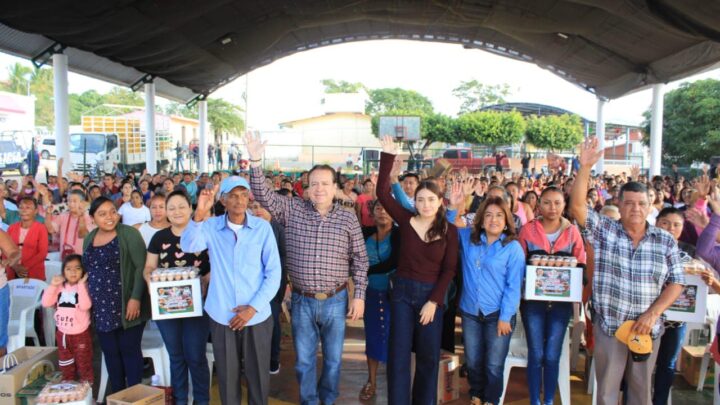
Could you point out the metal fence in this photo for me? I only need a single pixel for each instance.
(296, 158)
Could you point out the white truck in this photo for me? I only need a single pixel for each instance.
(107, 141)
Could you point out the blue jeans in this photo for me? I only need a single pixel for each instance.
(485, 354)
(123, 355)
(406, 335)
(316, 321)
(186, 340)
(4, 315)
(670, 345)
(545, 324)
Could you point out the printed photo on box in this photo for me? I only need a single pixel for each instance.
(175, 300)
(686, 301)
(552, 282)
(691, 305)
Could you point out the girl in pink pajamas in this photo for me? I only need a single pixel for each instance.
(69, 295)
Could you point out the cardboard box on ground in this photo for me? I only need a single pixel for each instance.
(448, 384)
(690, 362)
(33, 362)
(138, 395)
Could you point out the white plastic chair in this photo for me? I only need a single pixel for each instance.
(24, 300)
(153, 348)
(713, 311)
(578, 329)
(518, 357)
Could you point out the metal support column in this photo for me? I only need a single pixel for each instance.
(62, 112)
(202, 115)
(656, 126)
(600, 133)
(150, 137)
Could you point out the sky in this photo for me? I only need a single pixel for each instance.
(290, 88)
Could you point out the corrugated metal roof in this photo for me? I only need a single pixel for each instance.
(28, 46)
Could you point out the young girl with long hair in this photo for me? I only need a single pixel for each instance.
(426, 265)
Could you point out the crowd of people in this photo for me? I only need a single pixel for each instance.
(404, 252)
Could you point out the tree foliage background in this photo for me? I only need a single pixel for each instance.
(492, 128)
(223, 116)
(555, 132)
(691, 123)
(476, 95)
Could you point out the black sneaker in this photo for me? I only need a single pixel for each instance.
(274, 367)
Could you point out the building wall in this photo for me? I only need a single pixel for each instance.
(331, 138)
(17, 113)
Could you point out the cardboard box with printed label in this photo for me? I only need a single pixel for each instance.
(138, 395)
(448, 384)
(32, 363)
(549, 283)
(176, 299)
(448, 377)
(691, 361)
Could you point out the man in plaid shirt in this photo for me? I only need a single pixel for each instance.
(638, 275)
(324, 245)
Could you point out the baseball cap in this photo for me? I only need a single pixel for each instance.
(231, 182)
(640, 346)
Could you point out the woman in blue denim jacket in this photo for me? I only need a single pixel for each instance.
(492, 269)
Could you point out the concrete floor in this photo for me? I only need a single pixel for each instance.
(284, 388)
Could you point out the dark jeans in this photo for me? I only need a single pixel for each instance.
(545, 324)
(407, 335)
(276, 308)
(670, 345)
(123, 355)
(485, 354)
(186, 342)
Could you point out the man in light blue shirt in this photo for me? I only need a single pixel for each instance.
(191, 187)
(245, 276)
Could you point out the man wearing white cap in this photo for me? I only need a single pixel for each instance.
(245, 275)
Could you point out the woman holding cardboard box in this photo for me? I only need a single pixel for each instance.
(185, 338)
(546, 321)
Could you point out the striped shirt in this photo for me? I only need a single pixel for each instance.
(627, 279)
(321, 251)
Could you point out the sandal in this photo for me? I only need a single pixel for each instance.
(367, 392)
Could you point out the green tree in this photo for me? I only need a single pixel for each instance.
(384, 101)
(41, 86)
(123, 97)
(341, 86)
(555, 132)
(18, 79)
(182, 110)
(691, 122)
(85, 103)
(492, 128)
(476, 95)
(225, 117)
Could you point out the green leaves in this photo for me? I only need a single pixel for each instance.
(386, 101)
(492, 128)
(341, 86)
(555, 132)
(691, 122)
(476, 95)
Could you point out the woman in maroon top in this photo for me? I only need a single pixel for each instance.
(426, 265)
